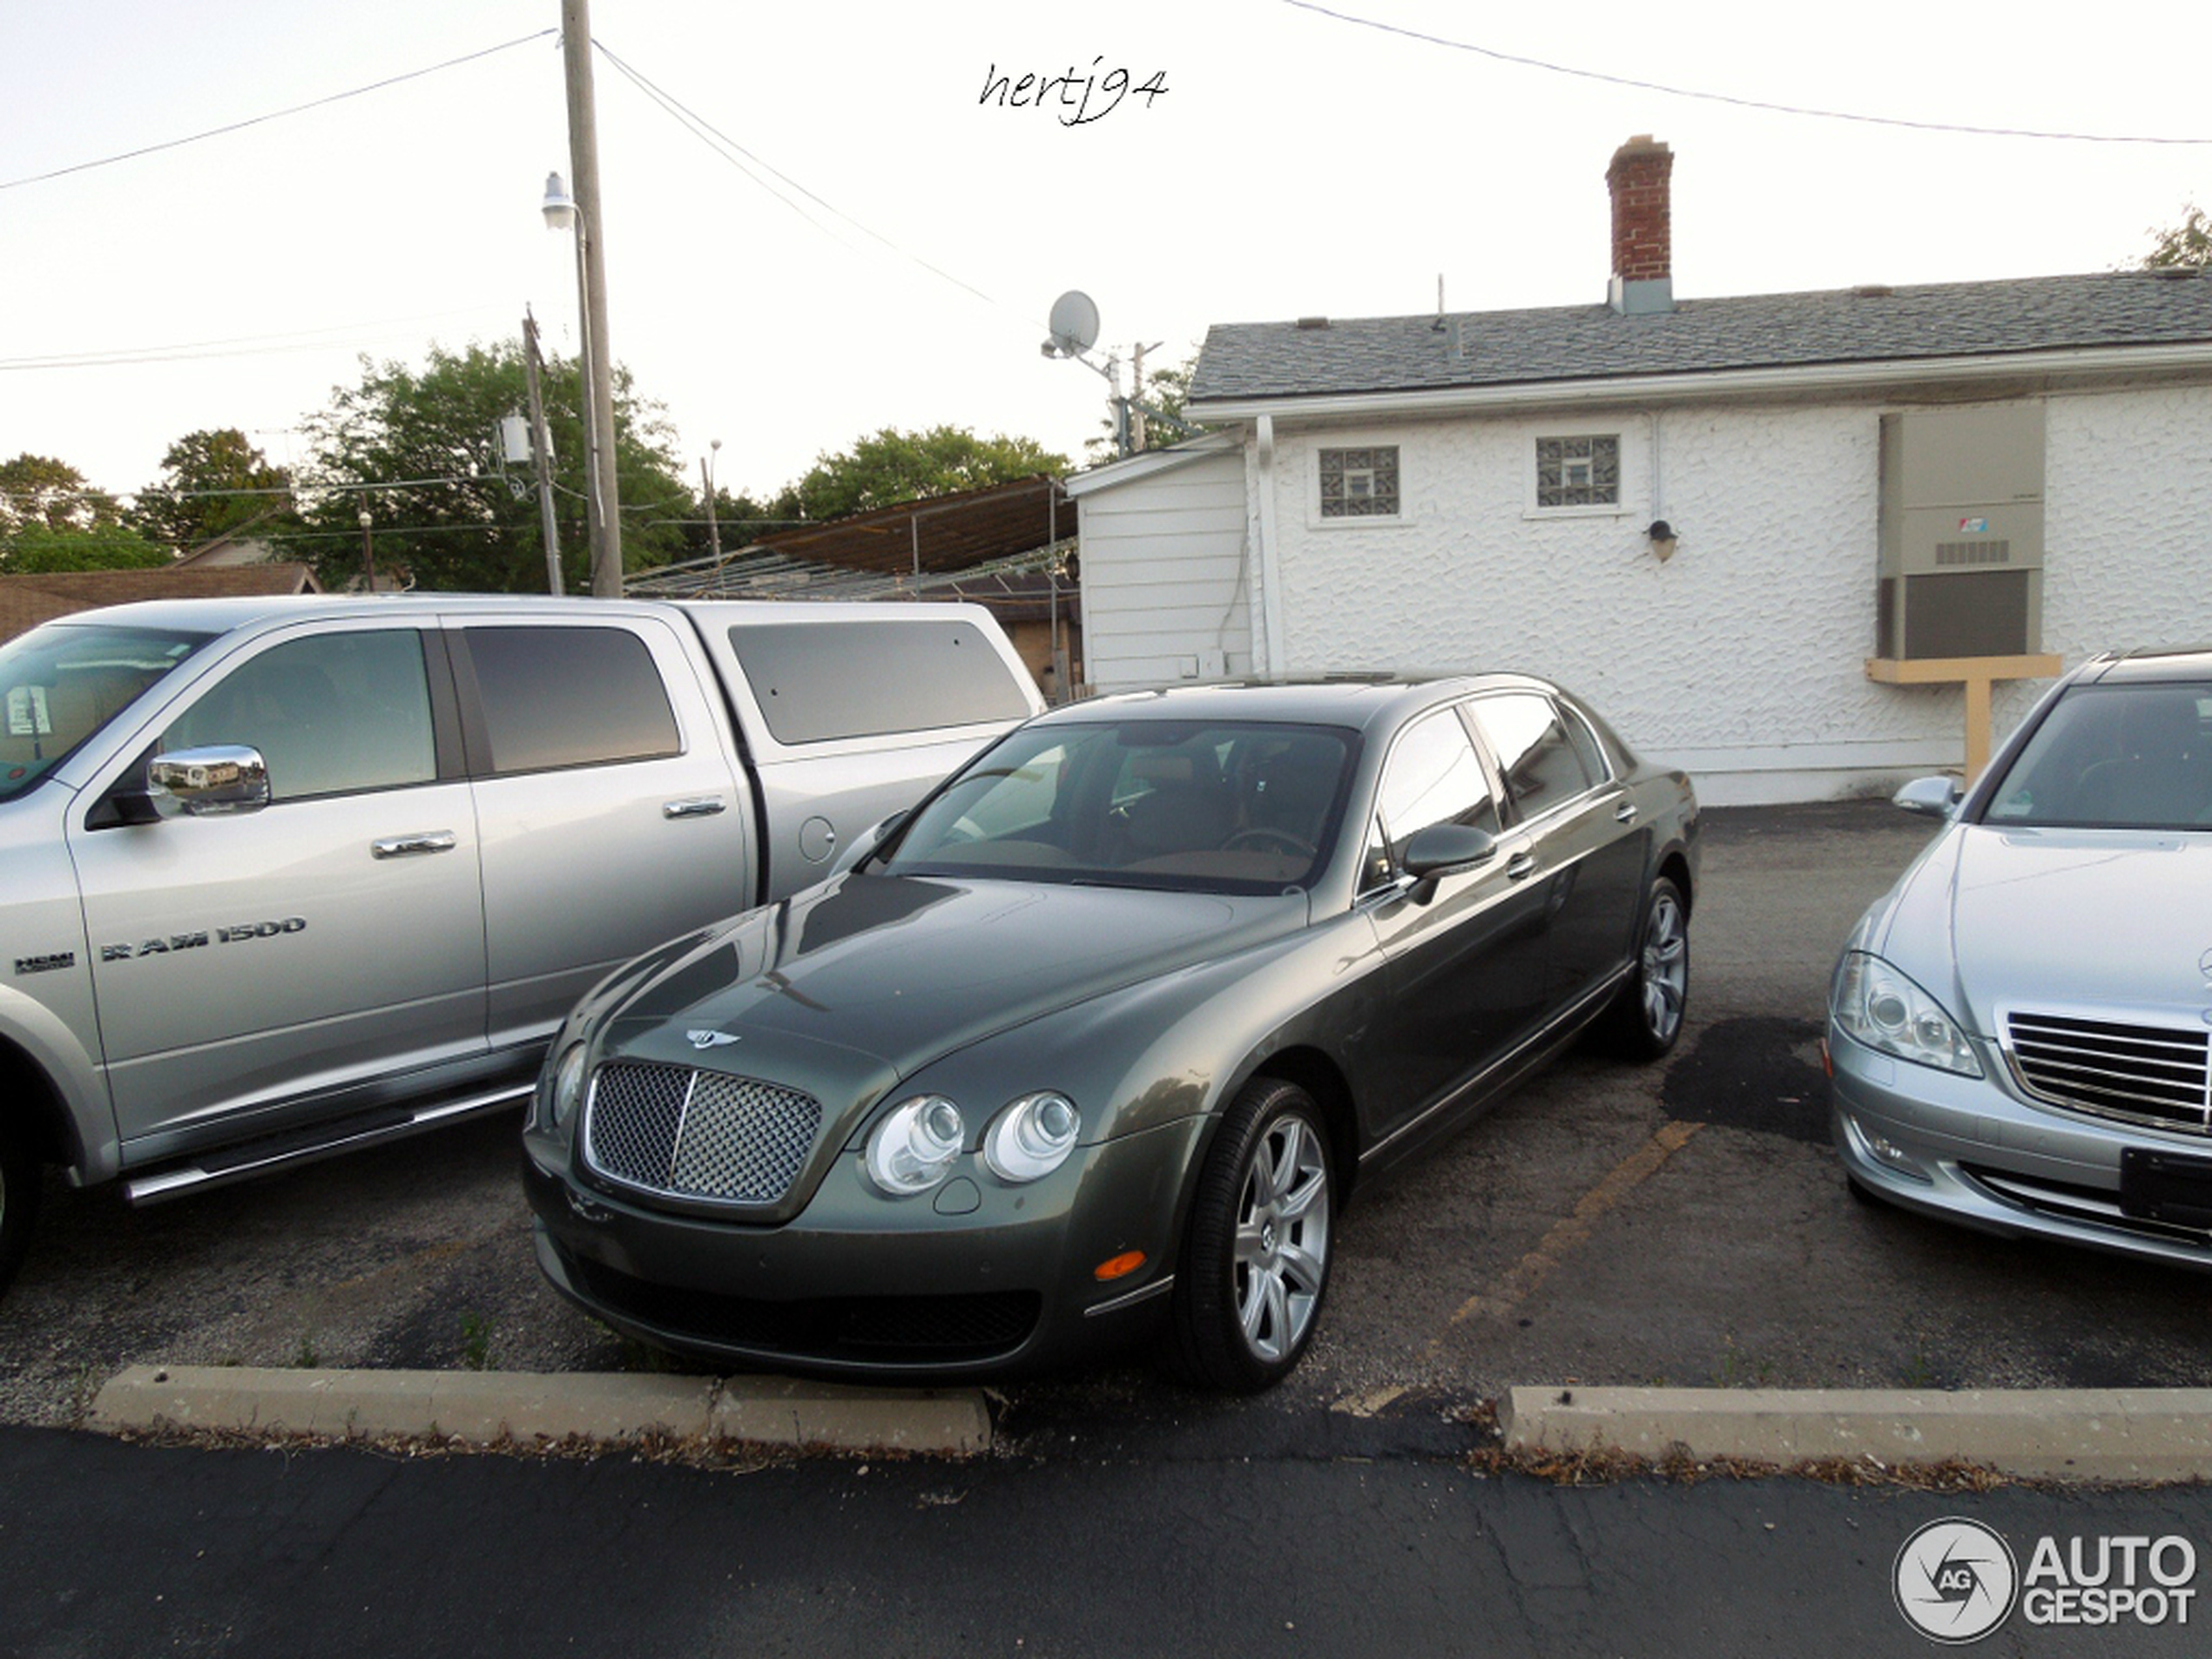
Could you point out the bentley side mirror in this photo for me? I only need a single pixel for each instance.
(1931, 797)
(1442, 848)
(220, 780)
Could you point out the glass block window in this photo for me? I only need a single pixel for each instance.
(1579, 472)
(1359, 483)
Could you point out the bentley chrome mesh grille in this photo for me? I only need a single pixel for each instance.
(693, 1134)
(2146, 1074)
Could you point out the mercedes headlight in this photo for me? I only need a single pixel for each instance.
(1032, 1137)
(913, 1147)
(1878, 1006)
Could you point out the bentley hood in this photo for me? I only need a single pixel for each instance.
(2055, 918)
(853, 985)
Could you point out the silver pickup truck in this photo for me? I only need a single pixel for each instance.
(285, 877)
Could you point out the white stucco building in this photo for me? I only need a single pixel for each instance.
(1496, 491)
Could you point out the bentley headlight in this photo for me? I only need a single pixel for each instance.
(1032, 1137)
(913, 1147)
(1885, 1010)
(567, 1084)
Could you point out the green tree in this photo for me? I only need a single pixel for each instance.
(51, 519)
(213, 483)
(418, 450)
(37, 489)
(37, 548)
(891, 466)
(2186, 246)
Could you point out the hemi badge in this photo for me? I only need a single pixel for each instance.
(49, 964)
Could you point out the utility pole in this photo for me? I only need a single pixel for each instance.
(599, 417)
(542, 453)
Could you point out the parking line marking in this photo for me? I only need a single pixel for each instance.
(1532, 1270)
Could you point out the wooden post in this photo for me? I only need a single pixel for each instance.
(1977, 674)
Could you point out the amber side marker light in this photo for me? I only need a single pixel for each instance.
(1119, 1266)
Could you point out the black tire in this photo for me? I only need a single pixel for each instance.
(1254, 1266)
(19, 1202)
(1645, 1020)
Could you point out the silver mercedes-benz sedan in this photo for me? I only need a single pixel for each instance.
(2018, 1030)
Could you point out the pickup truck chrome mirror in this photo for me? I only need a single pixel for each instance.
(200, 783)
(1931, 797)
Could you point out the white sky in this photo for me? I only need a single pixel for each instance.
(1296, 165)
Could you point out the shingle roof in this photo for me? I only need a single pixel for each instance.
(26, 601)
(1241, 361)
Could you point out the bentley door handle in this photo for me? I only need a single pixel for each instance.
(1625, 812)
(704, 807)
(400, 846)
(1521, 867)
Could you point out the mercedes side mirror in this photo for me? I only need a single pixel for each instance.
(1931, 797)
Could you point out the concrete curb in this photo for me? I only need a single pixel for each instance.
(2134, 1434)
(481, 1407)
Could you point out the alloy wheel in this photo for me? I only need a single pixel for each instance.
(1282, 1245)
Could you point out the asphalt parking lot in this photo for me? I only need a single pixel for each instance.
(1682, 1225)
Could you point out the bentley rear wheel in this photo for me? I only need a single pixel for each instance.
(1255, 1264)
(1645, 1020)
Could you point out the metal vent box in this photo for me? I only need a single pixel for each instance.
(1961, 533)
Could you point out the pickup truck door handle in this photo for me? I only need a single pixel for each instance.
(704, 807)
(1523, 866)
(1625, 812)
(400, 846)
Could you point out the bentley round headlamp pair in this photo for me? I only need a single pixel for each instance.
(914, 1147)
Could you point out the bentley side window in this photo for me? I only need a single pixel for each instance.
(1543, 767)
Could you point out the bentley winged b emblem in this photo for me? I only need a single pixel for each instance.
(710, 1039)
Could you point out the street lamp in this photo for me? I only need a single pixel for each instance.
(563, 213)
(560, 210)
(706, 477)
(368, 547)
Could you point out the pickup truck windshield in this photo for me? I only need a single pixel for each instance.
(1223, 807)
(61, 683)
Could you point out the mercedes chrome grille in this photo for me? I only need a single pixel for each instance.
(2144, 1074)
(703, 1136)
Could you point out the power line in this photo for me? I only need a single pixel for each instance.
(1771, 108)
(274, 114)
(241, 345)
(737, 156)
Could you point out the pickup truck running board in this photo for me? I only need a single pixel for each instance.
(256, 1157)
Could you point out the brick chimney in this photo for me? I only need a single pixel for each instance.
(1643, 241)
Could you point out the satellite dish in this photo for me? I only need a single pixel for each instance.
(1075, 323)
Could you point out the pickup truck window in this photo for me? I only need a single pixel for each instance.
(331, 714)
(570, 696)
(817, 681)
(62, 683)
